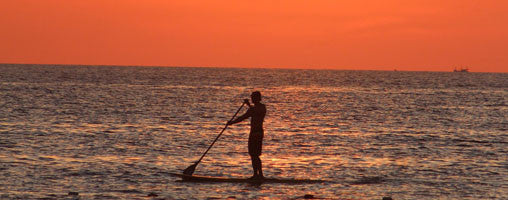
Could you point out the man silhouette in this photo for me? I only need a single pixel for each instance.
(257, 114)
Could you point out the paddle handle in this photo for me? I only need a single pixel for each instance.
(220, 134)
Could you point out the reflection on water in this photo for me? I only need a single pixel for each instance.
(117, 132)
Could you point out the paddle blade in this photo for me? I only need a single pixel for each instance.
(190, 170)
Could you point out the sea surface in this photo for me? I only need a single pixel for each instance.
(106, 132)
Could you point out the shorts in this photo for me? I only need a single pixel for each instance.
(255, 143)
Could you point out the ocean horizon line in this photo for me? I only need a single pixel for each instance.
(233, 67)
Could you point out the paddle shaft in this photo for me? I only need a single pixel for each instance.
(219, 134)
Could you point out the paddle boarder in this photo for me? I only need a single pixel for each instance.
(257, 114)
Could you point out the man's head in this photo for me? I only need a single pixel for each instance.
(255, 97)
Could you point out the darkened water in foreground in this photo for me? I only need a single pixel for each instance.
(117, 132)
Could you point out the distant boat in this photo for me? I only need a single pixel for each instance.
(461, 70)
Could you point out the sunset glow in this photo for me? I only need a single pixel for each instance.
(422, 35)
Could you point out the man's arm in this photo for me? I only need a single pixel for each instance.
(241, 118)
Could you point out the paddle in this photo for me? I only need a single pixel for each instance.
(190, 170)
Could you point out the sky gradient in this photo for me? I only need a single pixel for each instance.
(416, 35)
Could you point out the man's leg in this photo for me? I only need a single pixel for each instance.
(257, 166)
(255, 144)
(254, 166)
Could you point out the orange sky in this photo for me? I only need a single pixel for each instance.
(428, 35)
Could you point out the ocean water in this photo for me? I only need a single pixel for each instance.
(102, 132)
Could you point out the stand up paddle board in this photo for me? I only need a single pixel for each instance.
(197, 178)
